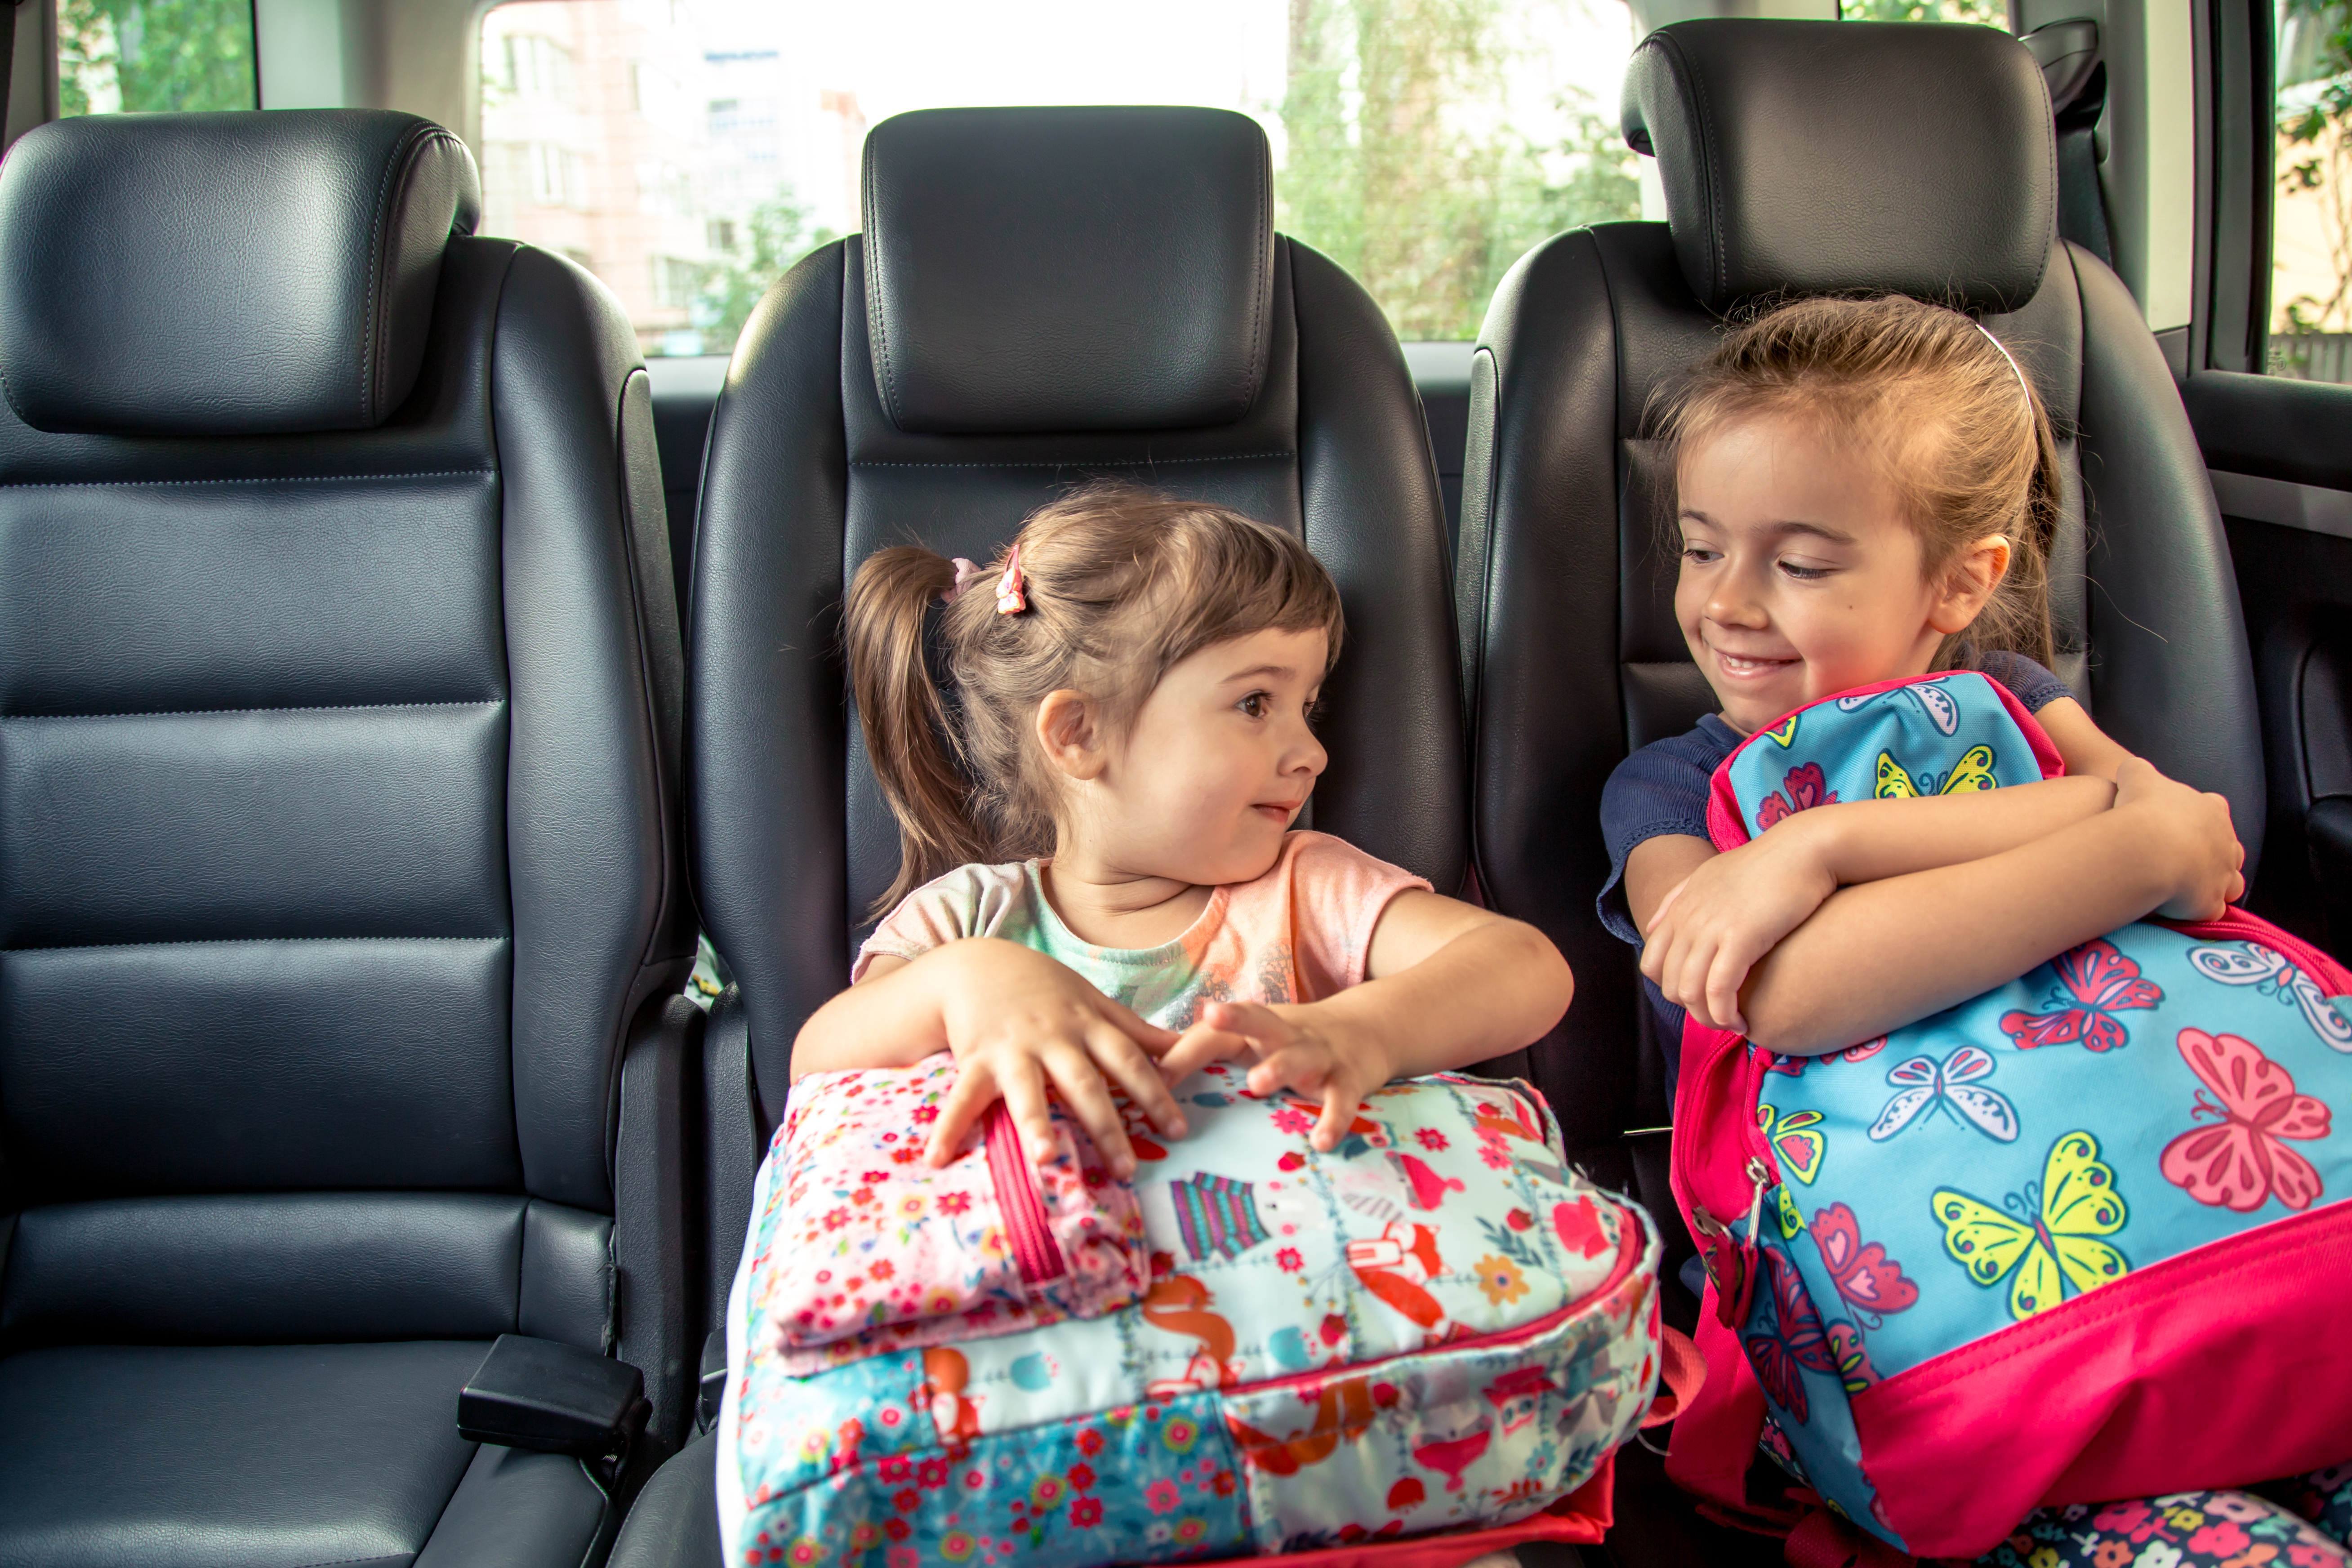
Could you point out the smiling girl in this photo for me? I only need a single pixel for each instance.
(1866, 491)
(1099, 883)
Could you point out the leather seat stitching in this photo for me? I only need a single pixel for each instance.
(296, 708)
(234, 942)
(349, 1561)
(279, 479)
(1072, 462)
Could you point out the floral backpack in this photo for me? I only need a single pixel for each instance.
(1251, 1348)
(2079, 1238)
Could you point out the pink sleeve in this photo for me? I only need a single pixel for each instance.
(970, 901)
(1337, 894)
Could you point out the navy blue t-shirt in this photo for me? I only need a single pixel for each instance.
(1663, 788)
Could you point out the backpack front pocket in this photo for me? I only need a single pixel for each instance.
(877, 1250)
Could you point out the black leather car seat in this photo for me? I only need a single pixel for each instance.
(1782, 179)
(1040, 296)
(340, 861)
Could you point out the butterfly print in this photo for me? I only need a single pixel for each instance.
(1853, 1360)
(1973, 775)
(1804, 787)
(2099, 982)
(1794, 1067)
(1795, 1139)
(1796, 1339)
(2050, 1239)
(1953, 1087)
(2240, 1161)
(2269, 973)
(1933, 700)
(1869, 1282)
(1784, 733)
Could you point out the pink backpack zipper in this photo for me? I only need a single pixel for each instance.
(1025, 1220)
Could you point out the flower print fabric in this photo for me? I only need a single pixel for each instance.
(1298, 933)
(2188, 1529)
(876, 1250)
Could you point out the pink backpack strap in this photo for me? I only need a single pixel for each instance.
(1823, 1539)
(1715, 1432)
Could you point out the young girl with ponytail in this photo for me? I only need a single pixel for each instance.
(1095, 747)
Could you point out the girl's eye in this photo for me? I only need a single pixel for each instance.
(1255, 704)
(1315, 711)
(1804, 573)
(1700, 555)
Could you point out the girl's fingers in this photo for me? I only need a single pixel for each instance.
(1302, 1068)
(1123, 1060)
(1340, 1106)
(1088, 1099)
(1135, 1026)
(1196, 1049)
(1023, 1082)
(1258, 1024)
(973, 1092)
(1722, 981)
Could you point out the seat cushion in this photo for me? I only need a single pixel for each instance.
(674, 1523)
(275, 1456)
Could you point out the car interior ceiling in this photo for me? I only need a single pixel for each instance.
(371, 1189)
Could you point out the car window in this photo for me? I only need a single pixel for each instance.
(119, 56)
(1993, 14)
(688, 151)
(2311, 221)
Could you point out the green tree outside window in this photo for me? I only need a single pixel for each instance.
(1403, 166)
(137, 55)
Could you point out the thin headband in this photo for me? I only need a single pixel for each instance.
(2021, 385)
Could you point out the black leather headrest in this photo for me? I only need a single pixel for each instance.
(1822, 157)
(224, 274)
(1063, 269)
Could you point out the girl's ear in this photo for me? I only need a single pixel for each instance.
(1069, 731)
(1969, 583)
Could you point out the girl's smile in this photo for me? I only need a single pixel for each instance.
(1800, 577)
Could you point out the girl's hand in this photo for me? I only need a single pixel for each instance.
(2193, 829)
(1018, 1022)
(1719, 922)
(1299, 1046)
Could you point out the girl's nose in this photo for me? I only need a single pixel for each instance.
(1308, 757)
(1732, 605)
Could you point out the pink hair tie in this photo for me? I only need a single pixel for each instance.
(1010, 599)
(967, 573)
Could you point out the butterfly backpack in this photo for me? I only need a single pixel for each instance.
(1422, 1346)
(2081, 1237)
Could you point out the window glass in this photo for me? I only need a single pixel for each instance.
(688, 151)
(132, 55)
(1993, 14)
(2311, 221)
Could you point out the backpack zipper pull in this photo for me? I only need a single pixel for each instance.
(1730, 1258)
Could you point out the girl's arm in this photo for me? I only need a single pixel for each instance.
(1708, 918)
(1884, 954)
(2085, 746)
(1448, 984)
(1015, 1020)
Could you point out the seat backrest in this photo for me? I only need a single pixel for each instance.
(338, 707)
(1784, 177)
(1040, 296)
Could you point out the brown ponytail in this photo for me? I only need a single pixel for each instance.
(1122, 584)
(906, 722)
